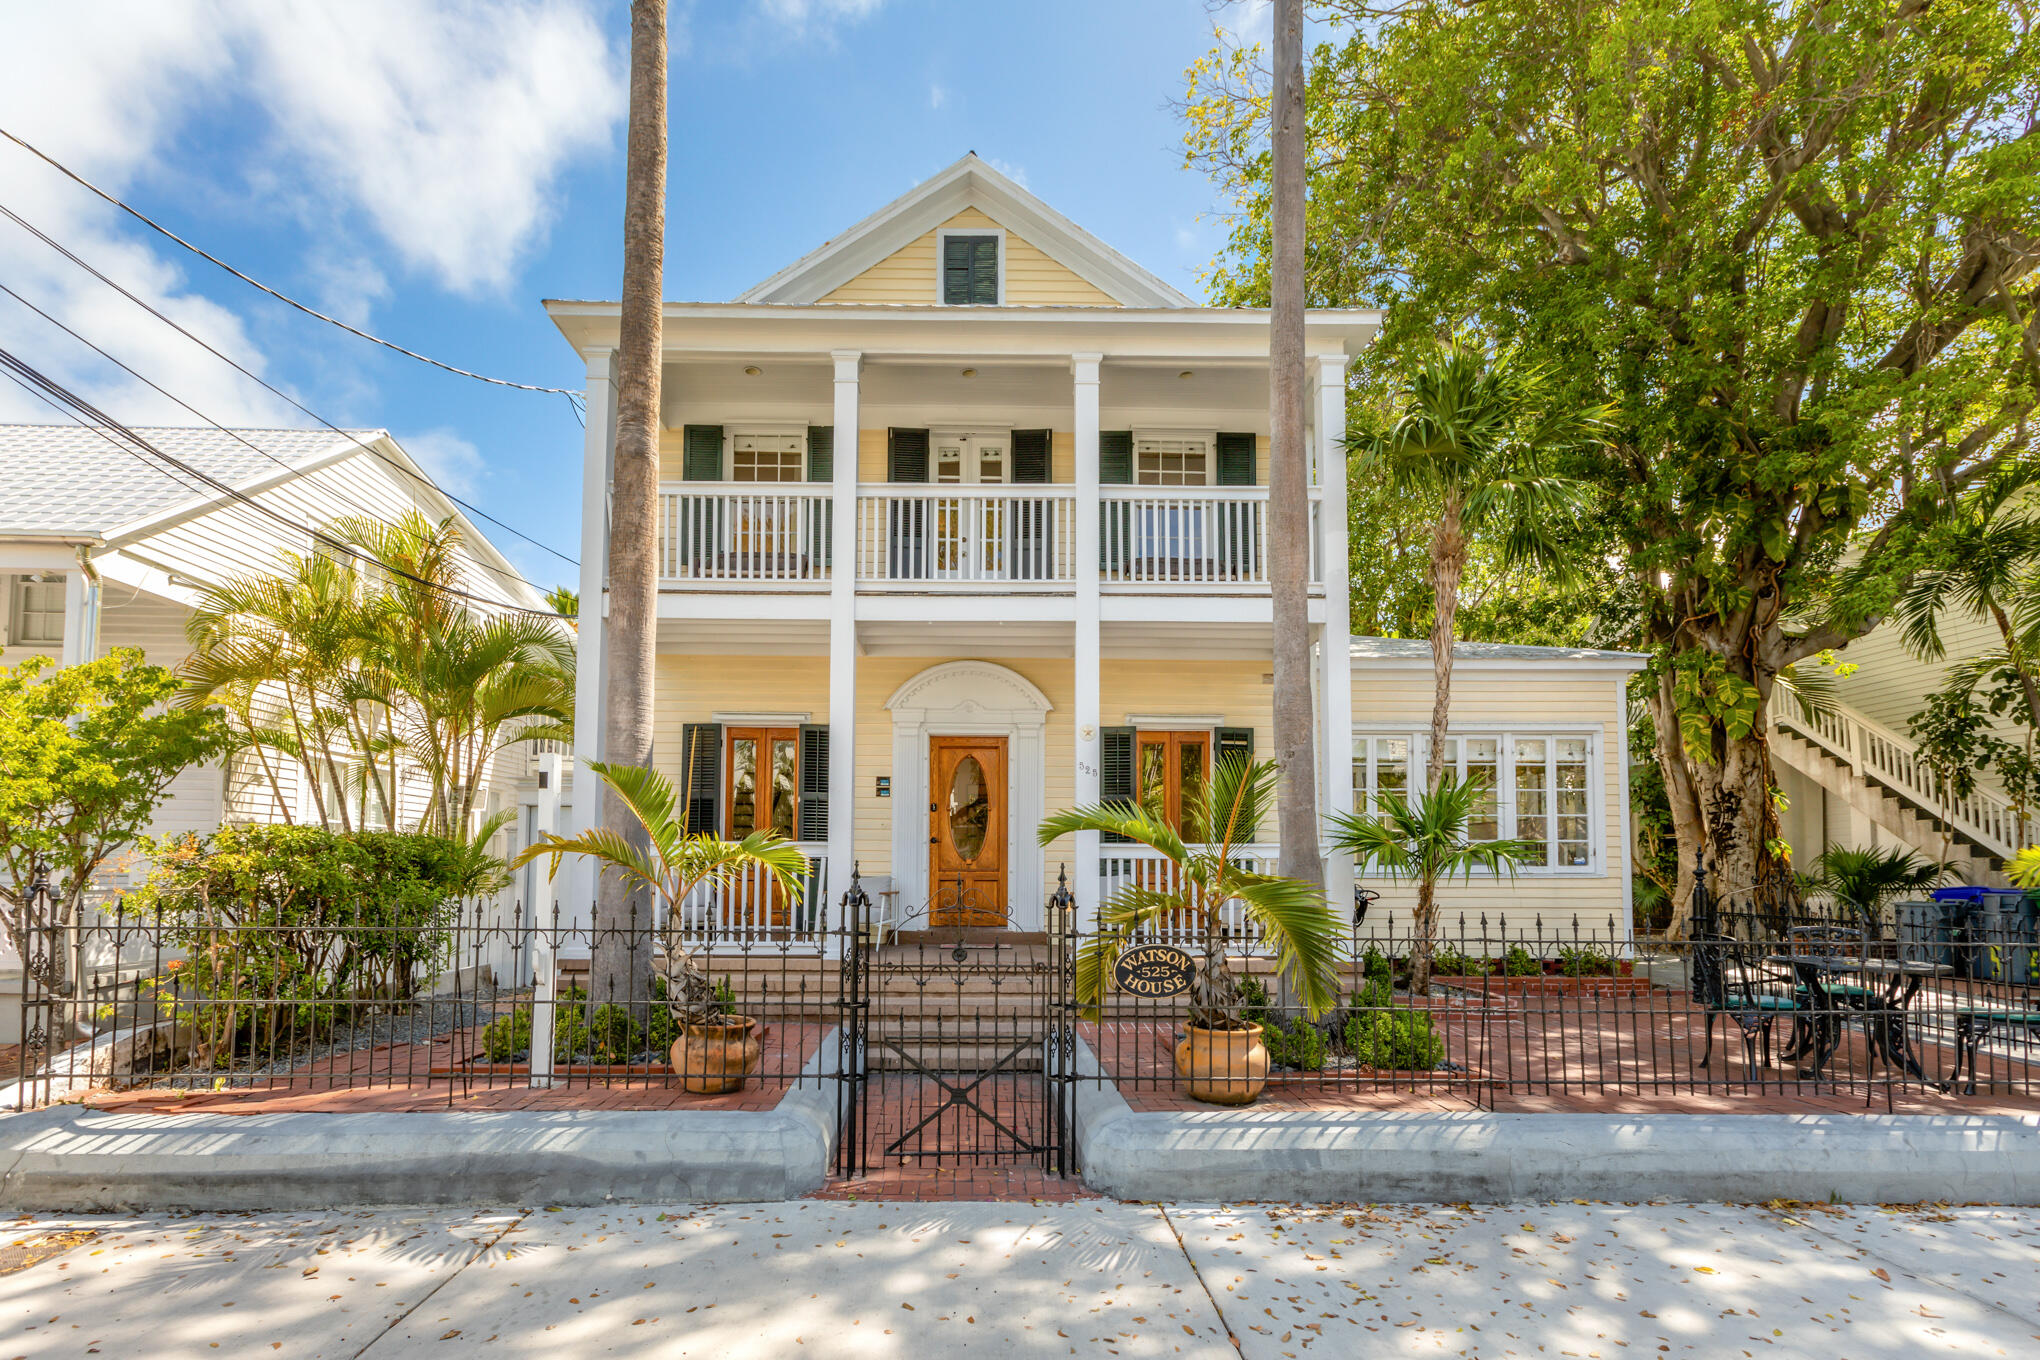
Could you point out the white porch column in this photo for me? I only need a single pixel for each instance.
(545, 820)
(1335, 639)
(575, 886)
(843, 628)
(1084, 873)
(81, 613)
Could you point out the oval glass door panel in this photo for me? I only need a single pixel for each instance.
(970, 808)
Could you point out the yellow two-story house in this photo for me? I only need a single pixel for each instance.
(964, 520)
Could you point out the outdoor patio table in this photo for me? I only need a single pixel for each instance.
(1889, 988)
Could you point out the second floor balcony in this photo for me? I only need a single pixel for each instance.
(725, 536)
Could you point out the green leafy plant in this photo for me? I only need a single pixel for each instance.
(1298, 1045)
(674, 865)
(1424, 839)
(87, 753)
(1520, 962)
(1584, 960)
(1452, 961)
(1292, 918)
(1865, 879)
(1380, 1034)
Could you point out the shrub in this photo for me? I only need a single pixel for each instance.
(614, 1035)
(1520, 962)
(508, 1037)
(1396, 1039)
(1451, 961)
(288, 929)
(1374, 964)
(1255, 1003)
(1585, 961)
(1298, 1045)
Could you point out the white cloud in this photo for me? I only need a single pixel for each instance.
(452, 462)
(427, 137)
(801, 16)
(937, 96)
(1012, 172)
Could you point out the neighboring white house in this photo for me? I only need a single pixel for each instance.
(104, 545)
(964, 520)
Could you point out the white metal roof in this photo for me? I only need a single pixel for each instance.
(1419, 650)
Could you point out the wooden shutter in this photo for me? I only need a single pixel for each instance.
(970, 271)
(906, 460)
(701, 776)
(1031, 548)
(814, 782)
(1233, 741)
(821, 453)
(1237, 460)
(1031, 456)
(1115, 468)
(1115, 771)
(701, 453)
(821, 467)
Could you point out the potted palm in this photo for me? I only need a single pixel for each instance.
(1221, 1056)
(1424, 839)
(716, 1049)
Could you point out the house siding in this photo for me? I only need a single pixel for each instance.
(1033, 279)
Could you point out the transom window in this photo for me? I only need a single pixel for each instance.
(1172, 462)
(1538, 786)
(38, 611)
(768, 458)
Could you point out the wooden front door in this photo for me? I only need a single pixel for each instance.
(967, 831)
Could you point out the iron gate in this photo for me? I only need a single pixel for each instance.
(956, 1041)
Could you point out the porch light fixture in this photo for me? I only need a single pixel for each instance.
(970, 373)
(752, 370)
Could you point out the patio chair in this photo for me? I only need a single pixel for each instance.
(1729, 980)
(1974, 1024)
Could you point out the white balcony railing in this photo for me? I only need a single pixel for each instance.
(1136, 866)
(744, 534)
(754, 908)
(1187, 536)
(966, 535)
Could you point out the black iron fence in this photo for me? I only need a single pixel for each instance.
(959, 1044)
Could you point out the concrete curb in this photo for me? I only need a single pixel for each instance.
(70, 1159)
(1269, 1153)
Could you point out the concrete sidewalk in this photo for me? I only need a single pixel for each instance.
(1096, 1278)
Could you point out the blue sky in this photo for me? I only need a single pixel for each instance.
(431, 171)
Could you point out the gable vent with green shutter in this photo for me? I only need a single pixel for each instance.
(701, 776)
(814, 782)
(970, 271)
(1115, 772)
(1237, 460)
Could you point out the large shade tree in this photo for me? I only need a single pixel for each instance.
(1792, 245)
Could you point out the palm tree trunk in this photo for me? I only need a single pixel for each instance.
(1448, 564)
(1288, 468)
(620, 966)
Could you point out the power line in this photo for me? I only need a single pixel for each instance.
(256, 378)
(572, 396)
(56, 395)
(236, 435)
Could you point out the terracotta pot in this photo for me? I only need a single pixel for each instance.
(713, 1058)
(1222, 1066)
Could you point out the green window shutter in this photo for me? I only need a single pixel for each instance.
(1233, 741)
(1115, 457)
(1031, 456)
(821, 453)
(814, 782)
(1236, 460)
(701, 453)
(701, 776)
(1115, 772)
(970, 271)
(906, 455)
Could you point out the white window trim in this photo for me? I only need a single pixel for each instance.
(1210, 438)
(1419, 739)
(942, 235)
(761, 430)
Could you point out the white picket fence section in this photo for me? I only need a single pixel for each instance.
(1882, 755)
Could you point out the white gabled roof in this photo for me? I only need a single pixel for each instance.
(1417, 651)
(73, 479)
(969, 183)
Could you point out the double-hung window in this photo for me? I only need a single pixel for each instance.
(1536, 786)
(38, 611)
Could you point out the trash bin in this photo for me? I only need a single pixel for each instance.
(1968, 950)
(1926, 932)
(2003, 932)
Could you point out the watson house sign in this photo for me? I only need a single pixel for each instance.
(1153, 970)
